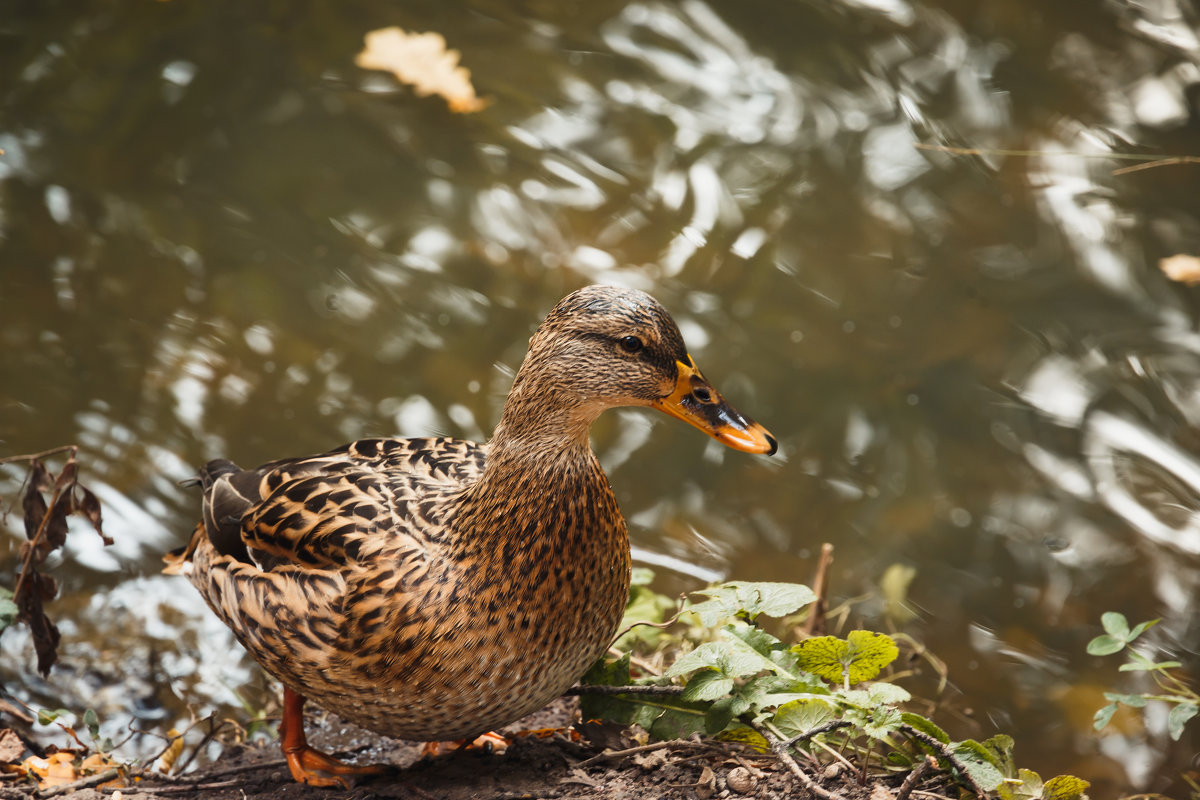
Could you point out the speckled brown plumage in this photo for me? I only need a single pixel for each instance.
(438, 588)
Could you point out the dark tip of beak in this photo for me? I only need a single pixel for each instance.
(774, 445)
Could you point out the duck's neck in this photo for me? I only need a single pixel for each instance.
(541, 421)
(541, 481)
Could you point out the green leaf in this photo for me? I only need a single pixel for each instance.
(1001, 747)
(882, 722)
(1140, 628)
(8, 609)
(1026, 786)
(1104, 716)
(645, 605)
(1179, 717)
(719, 715)
(751, 598)
(969, 748)
(641, 576)
(608, 673)
(603, 706)
(92, 722)
(1115, 625)
(926, 726)
(1140, 663)
(801, 716)
(707, 655)
(977, 761)
(1133, 700)
(1064, 787)
(676, 723)
(888, 694)
(707, 685)
(45, 716)
(1105, 645)
(861, 655)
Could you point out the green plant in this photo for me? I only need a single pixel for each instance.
(816, 697)
(1119, 636)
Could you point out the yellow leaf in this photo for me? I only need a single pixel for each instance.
(422, 61)
(171, 754)
(54, 770)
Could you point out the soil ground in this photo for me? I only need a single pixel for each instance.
(555, 766)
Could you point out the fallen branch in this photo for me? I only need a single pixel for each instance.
(948, 754)
(82, 783)
(914, 777)
(779, 747)
(651, 690)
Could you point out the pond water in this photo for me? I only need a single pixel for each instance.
(219, 237)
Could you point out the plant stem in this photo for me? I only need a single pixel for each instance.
(74, 448)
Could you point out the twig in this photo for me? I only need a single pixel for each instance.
(948, 754)
(31, 551)
(74, 448)
(832, 725)
(664, 624)
(83, 783)
(1162, 162)
(653, 690)
(191, 787)
(781, 751)
(815, 624)
(915, 776)
(610, 755)
(193, 780)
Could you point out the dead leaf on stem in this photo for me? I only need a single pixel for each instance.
(422, 61)
(46, 529)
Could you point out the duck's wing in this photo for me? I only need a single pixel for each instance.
(329, 510)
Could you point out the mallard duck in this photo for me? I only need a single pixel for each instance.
(436, 589)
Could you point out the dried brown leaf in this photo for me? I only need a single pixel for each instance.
(45, 633)
(33, 505)
(11, 746)
(422, 61)
(1182, 268)
(66, 478)
(89, 506)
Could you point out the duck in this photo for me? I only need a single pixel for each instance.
(434, 589)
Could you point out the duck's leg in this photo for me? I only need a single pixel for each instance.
(309, 766)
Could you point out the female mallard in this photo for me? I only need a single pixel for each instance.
(435, 589)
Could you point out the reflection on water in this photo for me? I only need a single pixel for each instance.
(220, 238)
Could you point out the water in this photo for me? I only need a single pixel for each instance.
(220, 238)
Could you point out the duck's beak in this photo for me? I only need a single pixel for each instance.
(697, 403)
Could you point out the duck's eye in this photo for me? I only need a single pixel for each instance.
(630, 344)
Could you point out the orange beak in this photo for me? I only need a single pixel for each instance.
(697, 403)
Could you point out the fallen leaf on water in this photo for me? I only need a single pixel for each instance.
(422, 61)
(1182, 268)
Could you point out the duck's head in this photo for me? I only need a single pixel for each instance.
(605, 346)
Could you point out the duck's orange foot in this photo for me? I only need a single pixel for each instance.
(314, 768)
(310, 766)
(490, 742)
